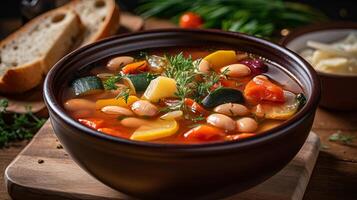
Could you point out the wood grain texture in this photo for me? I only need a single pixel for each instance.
(58, 177)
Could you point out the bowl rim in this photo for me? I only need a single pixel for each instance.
(319, 27)
(266, 136)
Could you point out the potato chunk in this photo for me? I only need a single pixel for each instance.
(159, 88)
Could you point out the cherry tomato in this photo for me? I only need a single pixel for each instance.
(190, 20)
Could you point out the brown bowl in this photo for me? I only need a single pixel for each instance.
(336, 89)
(173, 171)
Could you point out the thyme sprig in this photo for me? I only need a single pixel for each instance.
(183, 71)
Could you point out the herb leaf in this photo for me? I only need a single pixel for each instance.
(109, 84)
(15, 127)
(182, 70)
(339, 137)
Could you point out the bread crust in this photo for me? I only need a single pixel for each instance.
(23, 78)
(110, 25)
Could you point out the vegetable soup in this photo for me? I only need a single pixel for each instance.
(183, 96)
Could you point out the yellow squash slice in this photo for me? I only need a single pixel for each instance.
(221, 58)
(155, 130)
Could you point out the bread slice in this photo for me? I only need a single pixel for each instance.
(99, 17)
(29, 53)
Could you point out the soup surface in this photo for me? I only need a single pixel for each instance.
(183, 96)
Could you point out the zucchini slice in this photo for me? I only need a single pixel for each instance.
(222, 95)
(87, 85)
(141, 81)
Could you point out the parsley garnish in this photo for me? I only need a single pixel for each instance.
(15, 127)
(110, 83)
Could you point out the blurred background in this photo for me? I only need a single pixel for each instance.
(13, 13)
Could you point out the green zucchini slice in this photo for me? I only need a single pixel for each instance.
(222, 95)
(87, 85)
(141, 81)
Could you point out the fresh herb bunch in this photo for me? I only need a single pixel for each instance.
(255, 17)
(189, 81)
(15, 127)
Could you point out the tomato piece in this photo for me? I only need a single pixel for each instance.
(236, 84)
(190, 20)
(260, 89)
(92, 122)
(135, 67)
(204, 133)
(112, 132)
(195, 107)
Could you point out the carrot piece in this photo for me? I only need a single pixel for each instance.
(135, 67)
(92, 122)
(239, 136)
(112, 132)
(195, 107)
(204, 133)
(260, 89)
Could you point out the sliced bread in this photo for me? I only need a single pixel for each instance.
(28, 54)
(99, 17)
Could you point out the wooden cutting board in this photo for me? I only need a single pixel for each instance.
(43, 170)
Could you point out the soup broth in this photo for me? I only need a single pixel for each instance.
(184, 96)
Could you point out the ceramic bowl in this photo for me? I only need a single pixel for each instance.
(173, 171)
(336, 89)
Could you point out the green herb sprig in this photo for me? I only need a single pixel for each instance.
(110, 83)
(182, 70)
(15, 127)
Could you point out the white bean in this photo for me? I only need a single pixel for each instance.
(204, 66)
(172, 115)
(79, 104)
(261, 77)
(132, 122)
(222, 121)
(236, 70)
(104, 75)
(241, 56)
(115, 63)
(247, 125)
(232, 109)
(144, 108)
(117, 110)
(82, 113)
